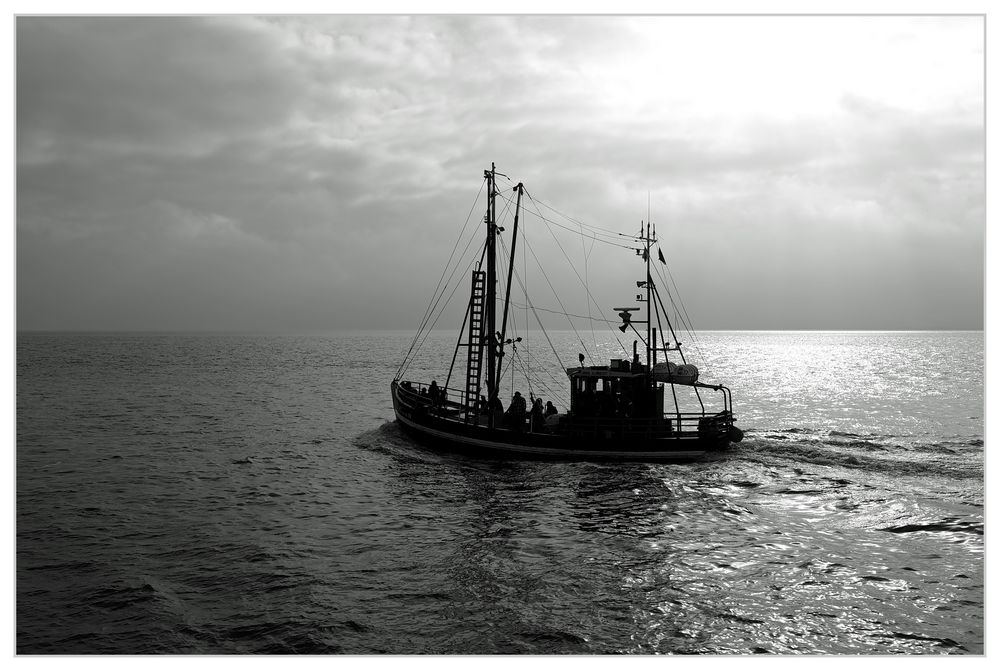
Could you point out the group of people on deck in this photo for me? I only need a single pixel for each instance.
(432, 392)
(514, 417)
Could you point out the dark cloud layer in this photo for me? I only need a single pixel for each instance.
(290, 173)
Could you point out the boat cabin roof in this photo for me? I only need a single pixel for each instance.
(604, 372)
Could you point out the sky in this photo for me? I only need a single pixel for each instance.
(286, 173)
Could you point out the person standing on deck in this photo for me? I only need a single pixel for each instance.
(518, 409)
(496, 407)
(537, 416)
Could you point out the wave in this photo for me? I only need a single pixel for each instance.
(958, 456)
(868, 440)
(390, 439)
(879, 453)
(946, 525)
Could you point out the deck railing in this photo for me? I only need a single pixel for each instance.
(451, 403)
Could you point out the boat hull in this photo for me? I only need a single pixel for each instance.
(452, 434)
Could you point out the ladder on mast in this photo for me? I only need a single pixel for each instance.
(473, 368)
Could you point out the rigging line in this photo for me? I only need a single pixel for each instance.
(673, 303)
(440, 312)
(557, 380)
(538, 383)
(586, 275)
(682, 313)
(613, 236)
(575, 221)
(542, 384)
(585, 287)
(550, 383)
(439, 297)
(546, 334)
(658, 304)
(681, 317)
(423, 320)
(524, 355)
(541, 326)
(526, 348)
(551, 375)
(510, 290)
(516, 359)
(524, 266)
(515, 333)
(531, 379)
(421, 334)
(554, 391)
(567, 314)
(588, 254)
(502, 218)
(613, 243)
(552, 394)
(680, 298)
(558, 300)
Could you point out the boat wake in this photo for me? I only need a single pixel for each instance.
(390, 439)
(958, 457)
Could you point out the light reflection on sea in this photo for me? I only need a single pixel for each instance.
(196, 494)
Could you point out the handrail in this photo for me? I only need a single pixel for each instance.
(679, 421)
(417, 389)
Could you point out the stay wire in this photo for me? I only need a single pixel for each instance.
(586, 277)
(423, 321)
(520, 363)
(415, 348)
(558, 300)
(682, 315)
(568, 314)
(614, 241)
(541, 326)
(441, 311)
(596, 229)
(525, 360)
(575, 272)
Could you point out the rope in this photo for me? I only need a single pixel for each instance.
(426, 333)
(595, 229)
(681, 313)
(574, 232)
(567, 314)
(427, 312)
(584, 284)
(558, 300)
(586, 277)
(557, 381)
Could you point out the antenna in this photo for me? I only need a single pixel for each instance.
(649, 222)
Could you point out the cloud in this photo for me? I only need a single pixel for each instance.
(313, 172)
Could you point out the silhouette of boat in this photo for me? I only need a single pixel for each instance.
(616, 411)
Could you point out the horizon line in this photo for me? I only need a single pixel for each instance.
(389, 329)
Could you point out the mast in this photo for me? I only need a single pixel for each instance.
(649, 315)
(510, 277)
(491, 286)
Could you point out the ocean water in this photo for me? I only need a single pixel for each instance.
(251, 494)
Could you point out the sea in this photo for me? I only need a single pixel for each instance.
(221, 494)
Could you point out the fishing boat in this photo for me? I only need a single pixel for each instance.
(625, 408)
